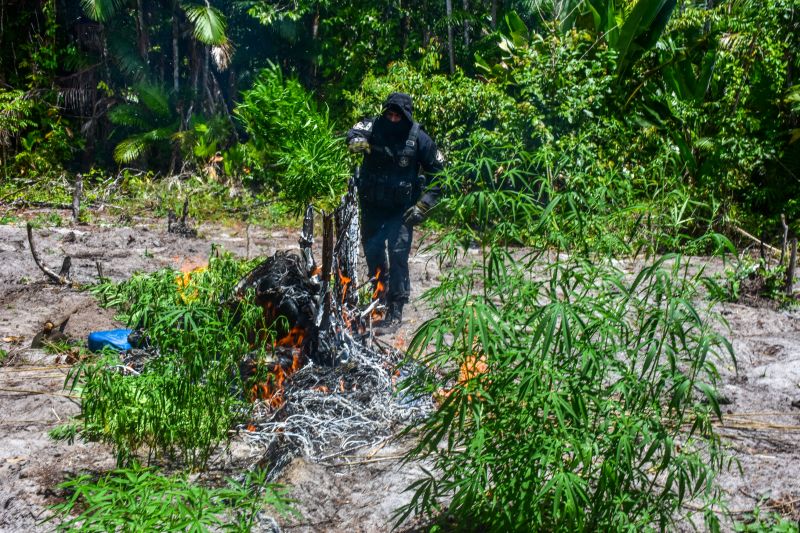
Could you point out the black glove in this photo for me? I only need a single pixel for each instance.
(359, 144)
(416, 214)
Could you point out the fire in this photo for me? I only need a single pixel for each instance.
(473, 366)
(345, 281)
(379, 287)
(184, 280)
(271, 390)
(294, 338)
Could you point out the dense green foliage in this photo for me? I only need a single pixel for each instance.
(294, 148)
(140, 499)
(574, 395)
(183, 402)
(650, 96)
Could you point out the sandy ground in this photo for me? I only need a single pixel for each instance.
(761, 428)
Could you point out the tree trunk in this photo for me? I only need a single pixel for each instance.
(494, 14)
(346, 249)
(465, 3)
(451, 53)
(175, 51)
(142, 30)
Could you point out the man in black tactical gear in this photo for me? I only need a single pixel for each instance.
(393, 195)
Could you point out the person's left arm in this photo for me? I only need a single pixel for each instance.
(432, 162)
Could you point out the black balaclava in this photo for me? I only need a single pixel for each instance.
(400, 103)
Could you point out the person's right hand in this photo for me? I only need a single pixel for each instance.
(358, 144)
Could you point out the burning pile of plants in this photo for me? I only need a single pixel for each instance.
(282, 350)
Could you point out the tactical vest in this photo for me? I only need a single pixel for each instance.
(391, 183)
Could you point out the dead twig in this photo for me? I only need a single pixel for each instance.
(790, 269)
(55, 278)
(757, 240)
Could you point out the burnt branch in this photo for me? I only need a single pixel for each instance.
(55, 278)
(76, 198)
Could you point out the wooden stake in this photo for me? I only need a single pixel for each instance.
(785, 237)
(790, 269)
(247, 241)
(76, 198)
(185, 212)
(99, 267)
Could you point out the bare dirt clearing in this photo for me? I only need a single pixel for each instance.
(356, 492)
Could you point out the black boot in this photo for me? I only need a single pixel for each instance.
(394, 317)
(396, 312)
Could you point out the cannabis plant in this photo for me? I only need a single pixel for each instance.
(294, 145)
(573, 395)
(183, 402)
(141, 499)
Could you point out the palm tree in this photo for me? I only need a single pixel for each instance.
(203, 25)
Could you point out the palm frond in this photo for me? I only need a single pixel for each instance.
(208, 24)
(125, 55)
(222, 54)
(130, 149)
(160, 134)
(155, 99)
(128, 115)
(101, 10)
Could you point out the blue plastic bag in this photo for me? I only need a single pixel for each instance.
(114, 338)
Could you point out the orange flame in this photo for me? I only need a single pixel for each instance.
(271, 391)
(294, 338)
(345, 281)
(472, 367)
(379, 287)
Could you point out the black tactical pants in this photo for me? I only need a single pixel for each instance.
(383, 232)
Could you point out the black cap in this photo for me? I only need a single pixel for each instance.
(400, 102)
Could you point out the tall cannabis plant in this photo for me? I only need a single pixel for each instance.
(574, 395)
(293, 144)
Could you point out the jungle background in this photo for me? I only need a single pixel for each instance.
(595, 149)
(697, 99)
